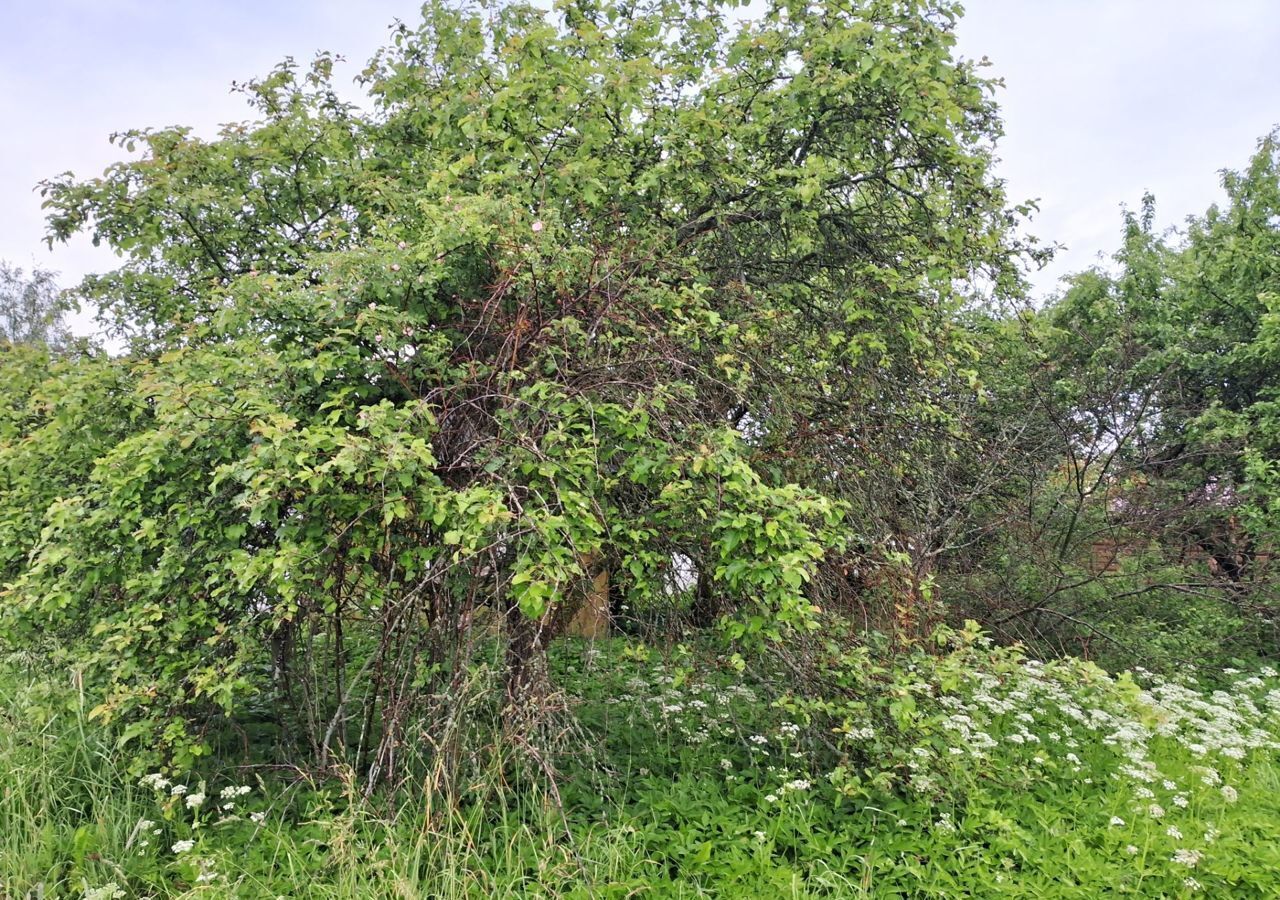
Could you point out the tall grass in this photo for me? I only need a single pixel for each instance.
(999, 779)
(66, 804)
(70, 806)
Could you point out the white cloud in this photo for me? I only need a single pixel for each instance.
(1108, 99)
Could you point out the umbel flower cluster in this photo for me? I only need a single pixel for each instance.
(1165, 755)
(193, 825)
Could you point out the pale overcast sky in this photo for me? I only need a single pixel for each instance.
(1104, 99)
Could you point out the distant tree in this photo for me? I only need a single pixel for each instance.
(1139, 507)
(30, 307)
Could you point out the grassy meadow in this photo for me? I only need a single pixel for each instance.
(971, 772)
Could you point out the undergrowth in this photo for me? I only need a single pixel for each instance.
(967, 771)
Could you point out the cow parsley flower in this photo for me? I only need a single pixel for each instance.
(109, 891)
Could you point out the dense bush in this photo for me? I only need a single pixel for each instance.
(585, 290)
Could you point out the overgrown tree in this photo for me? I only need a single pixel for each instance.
(614, 284)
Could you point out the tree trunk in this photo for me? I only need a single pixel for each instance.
(527, 681)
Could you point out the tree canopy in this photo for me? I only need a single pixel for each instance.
(612, 285)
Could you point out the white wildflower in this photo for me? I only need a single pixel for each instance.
(155, 781)
(109, 891)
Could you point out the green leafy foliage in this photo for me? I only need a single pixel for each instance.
(706, 309)
(396, 367)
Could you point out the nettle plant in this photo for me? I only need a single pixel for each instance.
(551, 305)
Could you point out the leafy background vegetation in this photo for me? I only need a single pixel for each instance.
(711, 333)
